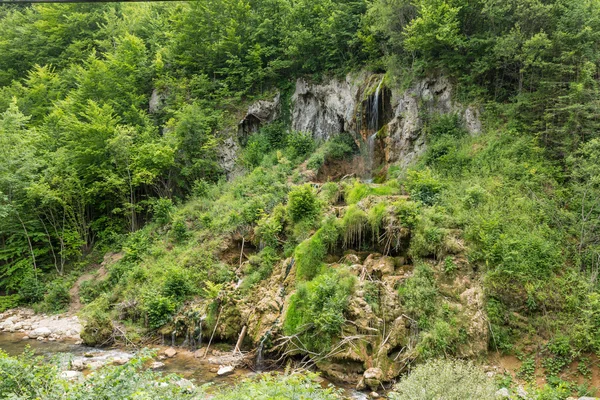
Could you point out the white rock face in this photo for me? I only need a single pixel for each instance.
(334, 106)
(323, 109)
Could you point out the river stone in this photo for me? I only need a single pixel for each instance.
(225, 370)
(374, 395)
(373, 377)
(25, 337)
(157, 365)
(42, 331)
(71, 375)
(119, 361)
(170, 352)
(77, 365)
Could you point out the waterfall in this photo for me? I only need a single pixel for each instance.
(370, 158)
(200, 335)
(259, 351)
(373, 124)
(173, 339)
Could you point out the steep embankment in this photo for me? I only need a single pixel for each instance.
(301, 259)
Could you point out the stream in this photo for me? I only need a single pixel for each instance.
(183, 364)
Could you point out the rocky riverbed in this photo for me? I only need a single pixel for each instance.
(40, 326)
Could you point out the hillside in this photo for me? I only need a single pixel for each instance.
(354, 187)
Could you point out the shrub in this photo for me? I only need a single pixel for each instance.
(136, 245)
(423, 186)
(317, 309)
(32, 289)
(269, 227)
(303, 203)
(163, 210)
(58, 297)
(299, 144)
(179, 230)
(8, 302)
(159, 310)
(445, 379)
(419, 295)
(177, 284)
(445, 125)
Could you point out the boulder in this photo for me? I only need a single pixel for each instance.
(157, 365)
(225, 370)
(41, 332)
(373, 377)
(77, 365)
(71, 375)
(170, 352)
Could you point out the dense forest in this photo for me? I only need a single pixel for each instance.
(113, 118)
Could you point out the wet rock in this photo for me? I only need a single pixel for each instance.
(40, 338)
(186, 385)
(170, 352)
(225, 370)
(157, 365)
(373, 377)
(120, 361)
(199, 353)
(42, 331)
(77, 365)
(71, 375)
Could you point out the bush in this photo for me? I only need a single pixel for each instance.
(299, 144)
(445, 379)
(310, 253)
(163, 210)
(423, 186)
(8, 302)
(159, 310)
(273, 386)
(177, 284)
(317, 309)
(419, 293)
(58, 297)
(32, 289)
(303, 203)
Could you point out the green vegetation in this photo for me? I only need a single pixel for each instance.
(27, 377)
(114, 117)
(437, 379)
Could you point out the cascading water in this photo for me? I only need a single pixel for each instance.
(373, 125)
(259, 351)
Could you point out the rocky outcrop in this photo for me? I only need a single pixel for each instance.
(260, 113)
(335, 106)
(324, 109)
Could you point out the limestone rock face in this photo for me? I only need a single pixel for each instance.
(323, 109)
(334, 106)
(260, 113)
